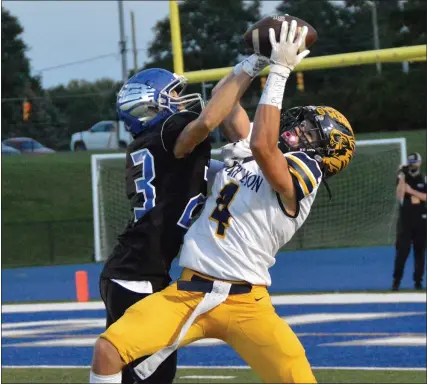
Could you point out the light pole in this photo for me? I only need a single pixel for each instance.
(405, 64)
(135, 53)
(122, 42)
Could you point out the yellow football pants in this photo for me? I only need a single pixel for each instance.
(247, 322)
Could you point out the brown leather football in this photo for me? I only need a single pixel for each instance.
(257, 36)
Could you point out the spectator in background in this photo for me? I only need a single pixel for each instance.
(411, 193)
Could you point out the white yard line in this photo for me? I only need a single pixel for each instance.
(221, 367)
(321, 298)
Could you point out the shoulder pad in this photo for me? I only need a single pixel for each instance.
(306, 170)
(173, 126)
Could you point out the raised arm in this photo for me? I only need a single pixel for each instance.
(265, 132)
(220, 106)
(236, 125)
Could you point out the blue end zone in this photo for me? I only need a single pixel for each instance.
(351, 269)
(51, 338)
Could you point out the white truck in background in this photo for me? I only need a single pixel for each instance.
(101, 136)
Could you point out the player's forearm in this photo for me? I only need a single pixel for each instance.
(221, 105)
(264, 137)
(225, 99)
(265, 132)
(236, 126)
(419, 195)
(266, 153)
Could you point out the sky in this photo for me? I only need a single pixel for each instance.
(62, 32)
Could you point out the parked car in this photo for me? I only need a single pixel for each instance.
(101, 136)
(6, 150)
(27, 145)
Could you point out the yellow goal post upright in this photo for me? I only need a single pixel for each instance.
(178, 62)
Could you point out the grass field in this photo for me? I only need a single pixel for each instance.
(47, 206)
(41, 375)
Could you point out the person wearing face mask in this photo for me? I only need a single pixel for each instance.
(411, 193)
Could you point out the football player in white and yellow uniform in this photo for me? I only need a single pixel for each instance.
(256, 207)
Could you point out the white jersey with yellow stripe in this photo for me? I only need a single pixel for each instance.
(244, 224)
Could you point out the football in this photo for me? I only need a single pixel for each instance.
(257, 36)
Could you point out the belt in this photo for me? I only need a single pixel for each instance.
(199, 284)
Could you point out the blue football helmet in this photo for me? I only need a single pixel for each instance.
(146, 99)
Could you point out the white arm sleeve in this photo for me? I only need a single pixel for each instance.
(214, 167)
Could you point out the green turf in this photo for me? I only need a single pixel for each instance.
(240, 376)
(47, 207)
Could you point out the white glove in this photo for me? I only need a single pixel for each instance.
(284, 53)
(252, 65)
(235, 152)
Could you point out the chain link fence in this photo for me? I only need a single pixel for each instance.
(47, 243)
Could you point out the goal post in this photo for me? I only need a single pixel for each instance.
(359, 214)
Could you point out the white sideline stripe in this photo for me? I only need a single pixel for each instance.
(52, 307)
(321, 298)
(219, 367)
(350, 298)
(407, 341)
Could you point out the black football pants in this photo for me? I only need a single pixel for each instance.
(117, 299)
(410, 231)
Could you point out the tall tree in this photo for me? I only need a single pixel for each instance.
(411, 23)
(371, 102)
(18, 84)
(15, 75)
(211, 32)
(212, 36)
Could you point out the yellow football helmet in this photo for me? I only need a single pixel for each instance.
(321, 130)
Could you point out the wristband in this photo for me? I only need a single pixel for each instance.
(274, 90)
(251, 65)
(280, 70)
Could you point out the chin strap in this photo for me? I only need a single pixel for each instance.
(318, 158)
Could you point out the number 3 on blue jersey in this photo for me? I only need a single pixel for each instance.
(143, 184)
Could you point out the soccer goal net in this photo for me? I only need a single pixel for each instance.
(362, 211)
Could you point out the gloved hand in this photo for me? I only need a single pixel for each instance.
(284, 53)
(235, 152)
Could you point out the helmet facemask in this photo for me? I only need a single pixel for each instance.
(300, 131)
(170, 97)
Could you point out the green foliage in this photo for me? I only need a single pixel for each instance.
(372, 102)
(83, 104)
(211, 33)
(16, 78)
